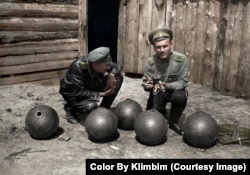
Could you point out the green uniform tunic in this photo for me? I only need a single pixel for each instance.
(173, 71)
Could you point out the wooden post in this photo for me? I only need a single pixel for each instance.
(210, 43)
(145, 8)
(132, 25)
(83, 27)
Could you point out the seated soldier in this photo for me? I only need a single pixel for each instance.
(87, 79)
(166, 77)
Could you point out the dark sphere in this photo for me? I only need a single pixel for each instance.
(200, 130)
(151, 128)
(101, 125)
(127, 111)
(42, 122)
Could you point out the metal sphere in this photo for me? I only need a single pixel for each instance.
(126, 112)
(42, 122)
(200, 130)
(151, 128)
(101, 125)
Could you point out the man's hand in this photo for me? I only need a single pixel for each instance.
(110, 86)
(148, 85)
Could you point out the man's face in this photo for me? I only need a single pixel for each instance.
(163, 48)
(101, 67)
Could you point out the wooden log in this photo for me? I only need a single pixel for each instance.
(38, 24)
(38, 10)
(29, 59)
(121, 35)
(32, 77)
(82, 27)
(201, 27)
(169, 13)
(74, 2)
(179, 40)
(210, 42)
(35, 67)
(159, 13)
(132, 24)
(244, 62)
(22, 36)
(219, 51)
(29, 48)
(144, 46)
(190, 36)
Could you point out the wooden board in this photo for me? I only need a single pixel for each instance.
(22, 36)
(35, 67)
(38, 10)
(32, 77)
(82, 27)
(38, 24)
(132, 26)
(121, 34)
(75, 2)
(210, 43)
(29, 48)
(37, 58)
(145, 9)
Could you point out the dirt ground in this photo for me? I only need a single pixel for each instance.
(66, 153)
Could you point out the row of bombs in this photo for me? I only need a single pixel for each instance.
(150, 126)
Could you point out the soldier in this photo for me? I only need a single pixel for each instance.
(166, 77)
(87, 80)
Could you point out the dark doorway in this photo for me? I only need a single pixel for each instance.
(103, 25)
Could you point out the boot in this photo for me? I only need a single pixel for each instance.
(69, 116)
(175, 114)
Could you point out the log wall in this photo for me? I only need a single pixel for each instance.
(38, 39)
(214, 35)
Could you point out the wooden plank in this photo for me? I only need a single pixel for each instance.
(28, 59)
(190, 36)
(21, 36)
(82, 27)
(179, 31)
(38, 10)
(238, 24)
(219, 51)
(132, 25)
(35, 67)
(29, 48)
(169, 9)
(121, 34)
(244, 62)
(159, 13)
(32, 77)
(200, 29)
(75, 2)
(38, 24)
(145, 8)
(210, 42)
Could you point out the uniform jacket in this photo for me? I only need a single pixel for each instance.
(81, 83)
(173, 71)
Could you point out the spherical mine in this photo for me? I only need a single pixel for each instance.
(42, 122)
(151, 128)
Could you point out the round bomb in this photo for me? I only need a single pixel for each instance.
(42, 122)
(200, 130)
(151, 128)
(127, 111)
(101, 125)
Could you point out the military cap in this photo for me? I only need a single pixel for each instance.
(160, 34)
(101, 54)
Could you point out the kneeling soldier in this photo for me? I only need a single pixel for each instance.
(87, 79)
(166, 77)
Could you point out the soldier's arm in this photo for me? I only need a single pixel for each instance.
(118, 76)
